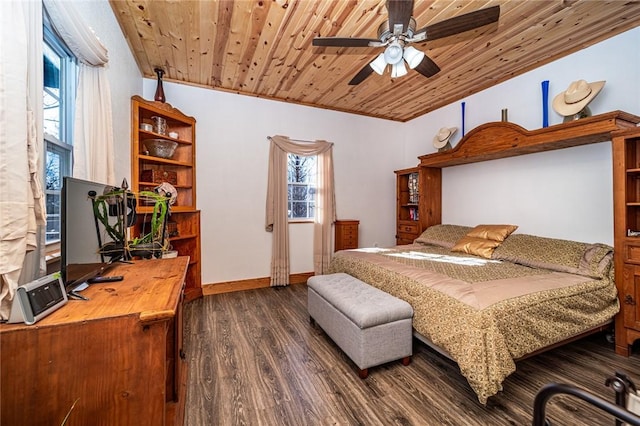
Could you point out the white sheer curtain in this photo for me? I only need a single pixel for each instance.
(22, 210)
(93, 155)
(276, 209)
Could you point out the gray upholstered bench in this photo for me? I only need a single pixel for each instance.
(372, 327)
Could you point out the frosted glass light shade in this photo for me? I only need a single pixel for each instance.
(379, 64)
(413, 56)
(398, 70)
(393, 53)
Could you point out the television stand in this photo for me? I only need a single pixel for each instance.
(118, 354)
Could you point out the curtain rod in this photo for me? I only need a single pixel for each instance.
(295, 140)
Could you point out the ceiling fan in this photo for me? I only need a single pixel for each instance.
(399, 31)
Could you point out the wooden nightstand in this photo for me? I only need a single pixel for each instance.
(346, 234)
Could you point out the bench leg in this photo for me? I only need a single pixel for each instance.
(406, 360)
(312, 321)
(363, 373)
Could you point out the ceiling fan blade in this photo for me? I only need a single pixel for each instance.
(399, 14)
(362, 74)
(346, 42)
(459, 24)
(427, 67)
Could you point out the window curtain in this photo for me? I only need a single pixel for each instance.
(276, 211)
(22, 209)
(93, 152)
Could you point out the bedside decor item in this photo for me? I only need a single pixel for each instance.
(572, 103)
(146, 127)
(441, 140)
(504, 114)
(162, 148)
(173, 135)
(545, 103)
(159, 96)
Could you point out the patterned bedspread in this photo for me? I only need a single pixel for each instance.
(485, 313)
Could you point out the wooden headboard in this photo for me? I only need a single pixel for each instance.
(496, 140)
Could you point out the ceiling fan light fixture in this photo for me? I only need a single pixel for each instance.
(393, 53)
(413, 56)
(379, 64)
(398, 70)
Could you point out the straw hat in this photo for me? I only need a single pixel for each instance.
(441, 139)
(576, 97)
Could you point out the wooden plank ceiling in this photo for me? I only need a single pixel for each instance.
(263, 48)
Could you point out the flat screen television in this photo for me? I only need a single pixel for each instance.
(88, 244)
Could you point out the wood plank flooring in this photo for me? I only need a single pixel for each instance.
(255, 359)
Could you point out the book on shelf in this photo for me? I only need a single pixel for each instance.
(413, 213)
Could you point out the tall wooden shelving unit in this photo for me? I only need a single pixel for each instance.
(407, 203)
(186, 237)
(414, 215)
(626, 211)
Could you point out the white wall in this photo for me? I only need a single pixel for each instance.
(232, 156)
(565, 193)
(562, 194)
(124, 76)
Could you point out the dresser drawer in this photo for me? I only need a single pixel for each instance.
(632, 253)
(349, 230)
(408, 228)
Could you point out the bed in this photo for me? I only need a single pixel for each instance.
(484, 307)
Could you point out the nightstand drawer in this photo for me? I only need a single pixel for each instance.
(632, 253)
(408, 228)
(403, 241)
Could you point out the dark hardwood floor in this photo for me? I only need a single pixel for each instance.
(255, 359)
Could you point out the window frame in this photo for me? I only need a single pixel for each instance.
(61, 145)
(309, 185)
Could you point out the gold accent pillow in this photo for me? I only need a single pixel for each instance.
(492, 232)
(478, 246)
(443, 235)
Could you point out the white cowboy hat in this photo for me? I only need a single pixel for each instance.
(576, 97)
(441, 139)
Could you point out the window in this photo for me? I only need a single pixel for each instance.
(60, 71)
(302, 177)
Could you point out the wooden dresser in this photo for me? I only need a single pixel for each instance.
(346, 234)
(118, 354)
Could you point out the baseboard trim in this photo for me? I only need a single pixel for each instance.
(250, 284)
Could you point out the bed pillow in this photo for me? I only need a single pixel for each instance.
(590, 260)
(482, 247)
(443, 235)
(492, 232)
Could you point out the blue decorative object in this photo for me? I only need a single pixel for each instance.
(545, 103)
(462, 120)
